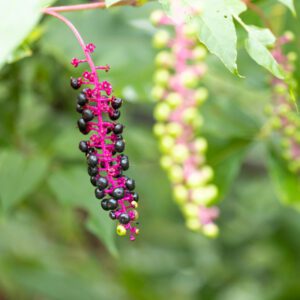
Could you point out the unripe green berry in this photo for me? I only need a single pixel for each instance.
(181, 194)
(162, 77)
(199, 53)
(200, 145)
(281, 89)
(204, 195)
(199, 178)
(290, 130)
(276, 123)
(157, 92)
(193, 224)
(190, 210)
(189, 115)
(174, 129)
(180, 153)
(190, 30)
(164, 59)
(156, 16)
(166, 144)
(162, 111)
(159, 129)
(201, 94)
(292, 56)
(210, 230)
(174, 99)
(189, 79)
(176, 174)
(166, 162)
(161, 39)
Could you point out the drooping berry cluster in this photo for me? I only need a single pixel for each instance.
(284, 116)
(180, 67)
(106, 162)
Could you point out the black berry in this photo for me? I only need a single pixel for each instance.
(93, 171)
(81, 124)
(118, 128)
(124, 218)
(104, 204)
(79, 108)
(75, 83)
(83, 147)
(119, 146)
(114, 115)
(124, 162)
(112, 215)
(116, 103)
(118, 193)
(130, 184)
(92, 160)
(102, 183)
(112, 204)
(135, 196)
(99, 193)
(81, 99)
(94, 180)
(87, 115)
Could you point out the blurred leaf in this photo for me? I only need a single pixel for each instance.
(73, 189)
(216, 22)
(19, 176)
(286, 183)
(18, 18)
(256, 45)
(289, 4)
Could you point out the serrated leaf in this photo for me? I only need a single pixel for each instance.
(256, 46)
(73, 189)
(18, 18)
(19, 176)
(289, 4)
(286, 183)
(217, 30)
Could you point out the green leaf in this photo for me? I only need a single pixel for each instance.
(72, 188)
(111, 2)
(19, 176)
(289, 4)
(18, 19)
(217, 30)
(286, 183)
(256, 45)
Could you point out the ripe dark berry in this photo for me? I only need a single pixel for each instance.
(87, 115)
(118, 128)
(79, 108)
(75, 83)
(124, 162)
(102, 182)
(92, 160)
(81, 124)
(99, 193)
(93, 171)
(112, 215)
(112, 204)
(135, 196)
(104, 204)
(81, 99)
(118, 193)
(119, 145)
(124, 218)
(116, 103)
(83, 146)
(130, 184)
(94, 180)
(114, 115)
(108, 130)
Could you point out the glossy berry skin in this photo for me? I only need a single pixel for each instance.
(118, 193)
(124, 218)
(99, 193)
(94, 180)
(112, 204)
(114, 115)
(81, 124)
(92, 171)
(75, 83)
(81, 99)
(135, 196)
(119, 146)
(92, 160)
(102, 182)
(87, 115)
(130, 184)
(79, 108)
(112, 215)
(104, 204)
(118, 128)
(83, 146)
(124, 162)
(116, 103)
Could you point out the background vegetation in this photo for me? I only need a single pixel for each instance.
(55, 243)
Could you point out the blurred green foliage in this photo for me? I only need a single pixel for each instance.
(55, 243)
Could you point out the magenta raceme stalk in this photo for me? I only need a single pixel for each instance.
(284, 117)
(180, 68)
(99, 110)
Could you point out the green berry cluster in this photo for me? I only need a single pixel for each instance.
(178, 93)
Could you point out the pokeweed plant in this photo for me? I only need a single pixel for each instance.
(177, 90)
(99, 110)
